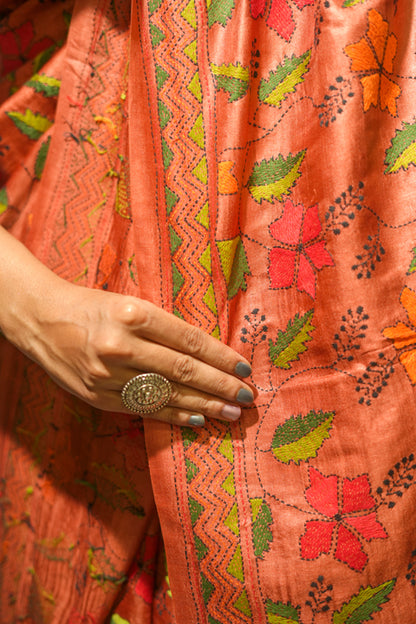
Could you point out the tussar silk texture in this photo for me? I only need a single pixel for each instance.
(249, 165)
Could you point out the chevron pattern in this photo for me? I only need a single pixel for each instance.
(210, 460)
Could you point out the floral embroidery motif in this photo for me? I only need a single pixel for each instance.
(279, 14)
(348, 515)
(18, 46)
(301, 250)
(404, 336)
(373, 57)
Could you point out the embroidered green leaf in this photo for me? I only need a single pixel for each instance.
(43, 57)
(231, 78)
(219, 11)
(262, 519)
(364, 604)
(402, 152)
(4, 200)
(284, 79)
(291, 342)
(117, 619)
(349, 3)
(31, 124)
(271, 179)
(41, 158)
(47, 85)
(300, 437)
(113, 487)
(101, 568)
(412, 267)
(234, 265)
(281, 613)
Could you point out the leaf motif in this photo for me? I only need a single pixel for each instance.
(101, 568)
(4, 201)
(43, 57)
(411, 269)
(271, 179)
(117, 619)
(284, 79)
(364, 604)
(41, 158)
(113, 487)
(281, 613)
(47, 85)
(231, 78)
(300, 437)
(350, 3)
(234, 265)
(262, 519)
(291, 342)
(31, 124)
(402, 152)
(219, 11)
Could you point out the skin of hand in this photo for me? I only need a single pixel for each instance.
(92, 342)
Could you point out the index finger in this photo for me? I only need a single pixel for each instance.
(155, 324)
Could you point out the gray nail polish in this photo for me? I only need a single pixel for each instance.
(242, 369)
(245, 396)
(196, 421)
(231, 412)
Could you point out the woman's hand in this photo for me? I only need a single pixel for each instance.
(93, 342)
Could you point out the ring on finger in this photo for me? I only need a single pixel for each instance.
(146, 393)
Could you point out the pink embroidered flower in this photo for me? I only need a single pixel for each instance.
(279, 14)
(18, 46)
(348, 514)
(301, 250)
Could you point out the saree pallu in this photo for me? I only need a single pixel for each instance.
(249, 165)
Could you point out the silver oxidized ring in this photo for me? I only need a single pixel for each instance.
(146, 393)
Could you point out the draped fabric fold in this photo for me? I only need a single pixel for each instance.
(249, 166)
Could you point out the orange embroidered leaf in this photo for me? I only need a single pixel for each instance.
(405, 336)
(401, 334)
(370, 90)
(408, 359)
(377, 33)
(373, 57)
(362, 56)
(227, 182)
(389, 92)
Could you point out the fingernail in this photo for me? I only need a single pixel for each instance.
(242, 369)
(231, 412)
(196, 421)
(245, 396)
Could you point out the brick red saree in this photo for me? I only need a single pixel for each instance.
(250, 166)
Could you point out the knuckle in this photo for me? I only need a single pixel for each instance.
(205, 406)
(109, 345)
(183, 369)
(193, 340)
(132, 312)
(175, 396)
(221, 387)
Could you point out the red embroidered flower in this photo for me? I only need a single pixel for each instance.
(18, 46)
(302, 249)
(279, 14)
(348, 514)
(144, 586)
